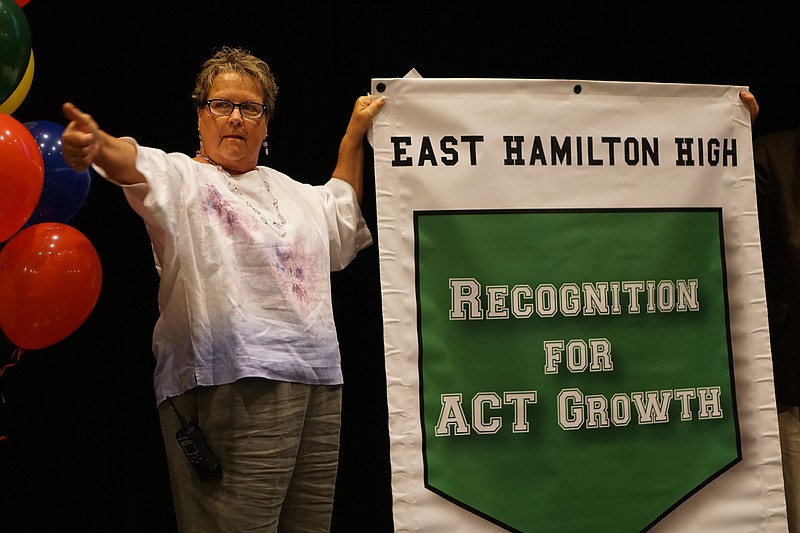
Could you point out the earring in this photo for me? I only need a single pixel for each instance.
(266, 147)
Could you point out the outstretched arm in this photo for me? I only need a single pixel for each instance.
(350, 165)
(84, 143)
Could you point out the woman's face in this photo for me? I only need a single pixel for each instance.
(233, 141)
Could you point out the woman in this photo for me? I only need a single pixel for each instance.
(245, 342)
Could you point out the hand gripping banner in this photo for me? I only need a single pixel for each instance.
(574, 313)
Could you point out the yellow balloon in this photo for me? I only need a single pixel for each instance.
(15, 99)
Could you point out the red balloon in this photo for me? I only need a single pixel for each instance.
(21, 3)
(50, 278)
(21, 175)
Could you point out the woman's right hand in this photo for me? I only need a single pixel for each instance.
(80, 142)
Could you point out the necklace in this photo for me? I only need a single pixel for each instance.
(276, 225)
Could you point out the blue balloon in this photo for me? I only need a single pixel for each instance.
(65, 190)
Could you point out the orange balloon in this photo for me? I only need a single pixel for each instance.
(21, 175)
(50, 279)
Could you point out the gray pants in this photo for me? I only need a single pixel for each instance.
(278, 444)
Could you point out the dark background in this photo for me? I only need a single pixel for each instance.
(83, 448)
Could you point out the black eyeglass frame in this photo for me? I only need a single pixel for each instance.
(234, 106)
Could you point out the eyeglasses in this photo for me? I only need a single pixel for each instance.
(224, 108)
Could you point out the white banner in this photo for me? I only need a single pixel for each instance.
(574, 313)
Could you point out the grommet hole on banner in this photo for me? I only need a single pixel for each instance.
(380, 87)
(577, 89)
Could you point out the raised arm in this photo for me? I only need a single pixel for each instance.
(84, 143)
(350, 165)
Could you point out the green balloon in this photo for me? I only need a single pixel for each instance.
(15, 47)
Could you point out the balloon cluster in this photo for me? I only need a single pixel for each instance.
(50, 273)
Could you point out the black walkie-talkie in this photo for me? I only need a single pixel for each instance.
(193, 444)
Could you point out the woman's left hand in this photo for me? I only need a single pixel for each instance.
(364, 112)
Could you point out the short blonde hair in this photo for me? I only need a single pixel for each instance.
(241, 61)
